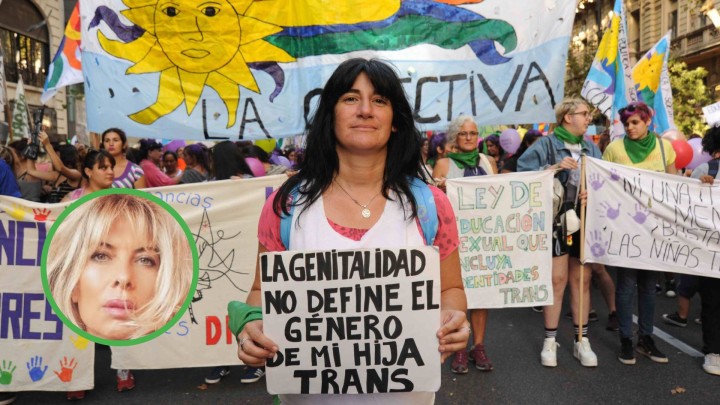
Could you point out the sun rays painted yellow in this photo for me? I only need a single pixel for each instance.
(198, 43)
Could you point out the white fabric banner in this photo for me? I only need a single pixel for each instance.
(505, 226)
(223, 217)
(652, 221)
(37, 353)
(388, 343)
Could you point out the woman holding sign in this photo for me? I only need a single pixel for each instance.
(561, 152)
(467, 161)
(643, 149)
(359, 195)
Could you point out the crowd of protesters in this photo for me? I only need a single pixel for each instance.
(67, 172)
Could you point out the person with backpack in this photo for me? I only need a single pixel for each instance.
(561, 152)
(708, 287)
(642, 149)
(367, 191)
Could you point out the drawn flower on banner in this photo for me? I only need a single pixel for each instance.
(647, 73)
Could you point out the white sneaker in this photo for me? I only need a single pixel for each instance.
(583, 352)
(548, 355)
(712, 363)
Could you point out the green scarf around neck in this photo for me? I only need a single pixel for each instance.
(565, 136)
(639, 150)
(465, 159)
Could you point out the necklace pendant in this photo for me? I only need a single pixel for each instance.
(365, 213)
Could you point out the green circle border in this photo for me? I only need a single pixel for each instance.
(193, 249)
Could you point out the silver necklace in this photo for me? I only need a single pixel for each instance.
(365, 210)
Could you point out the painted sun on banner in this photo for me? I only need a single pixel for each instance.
(252, 69)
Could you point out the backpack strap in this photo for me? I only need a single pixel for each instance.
(426, 209)
(286, 220)
(713, 166)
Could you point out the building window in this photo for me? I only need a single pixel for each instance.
(24, 37)
(24, 56)
(672, 23)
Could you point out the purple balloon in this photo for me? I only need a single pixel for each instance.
(174, 145)
(256, 166)
(699, 156)
(510, 140)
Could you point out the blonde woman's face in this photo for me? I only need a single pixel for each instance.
(118, 280)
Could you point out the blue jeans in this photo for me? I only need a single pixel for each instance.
(627, 279)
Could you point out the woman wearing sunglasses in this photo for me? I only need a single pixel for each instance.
(561, 152)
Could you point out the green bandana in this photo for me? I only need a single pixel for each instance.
(639, 150)
(565, 136)
(465, 159)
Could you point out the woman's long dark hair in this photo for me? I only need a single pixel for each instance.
(403, 159)
(229, 161)
(711, 140)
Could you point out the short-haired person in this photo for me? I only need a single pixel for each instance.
(150, 155)
(467, 161)
(119, 267)
(708, 287)
(463, 159)
(642, 149)
(127, 173)
(561, 152)
(354, 192)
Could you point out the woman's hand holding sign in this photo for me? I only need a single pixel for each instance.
(252, 343)
(454, 332)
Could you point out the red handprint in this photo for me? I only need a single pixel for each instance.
(41, 214)
(66, 369)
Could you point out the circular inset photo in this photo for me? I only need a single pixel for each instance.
(119, 267)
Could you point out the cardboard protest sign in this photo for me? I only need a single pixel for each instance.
(505, 226)
(352, 321)
(652, 221)
(37, 352)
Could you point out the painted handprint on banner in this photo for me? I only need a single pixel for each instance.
(614, 176)
(596, 182)
(6, 372)
(641, 214)
(610, 212)
(41, 214)
(66, 369)
(35, 368)
(598, 247)
(17, 212)
(79, 342)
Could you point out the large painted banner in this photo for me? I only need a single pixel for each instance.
(653, 221)
(244, 69)
(505, 226)
(223, 217)
(37, 353)
(352, 321)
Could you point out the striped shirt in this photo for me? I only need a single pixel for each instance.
(131, 174)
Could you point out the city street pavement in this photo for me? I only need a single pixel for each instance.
(514, 341)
